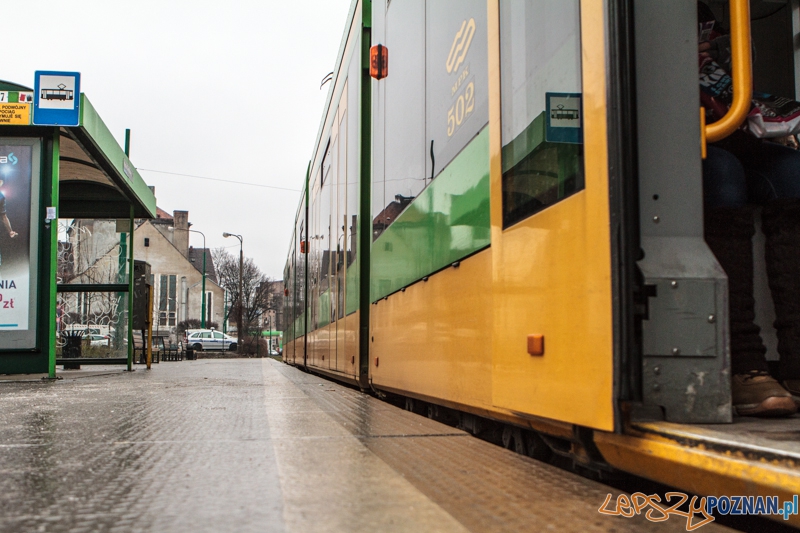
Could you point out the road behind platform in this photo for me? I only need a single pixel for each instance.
(255, 445)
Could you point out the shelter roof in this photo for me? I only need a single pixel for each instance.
(96, 178)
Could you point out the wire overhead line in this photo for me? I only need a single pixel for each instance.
(218, 179)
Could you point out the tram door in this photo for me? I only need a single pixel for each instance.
(335, 167)
(551, 239)
(322, 334)
(686, 340)
(314, 262)
(290, 300)
(336, 245)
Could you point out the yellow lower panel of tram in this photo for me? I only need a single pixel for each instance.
(335, 346)
(435, 338)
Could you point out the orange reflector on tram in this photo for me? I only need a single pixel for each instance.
(378, 62)
(536, 344)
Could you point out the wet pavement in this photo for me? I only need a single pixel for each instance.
(255, 445)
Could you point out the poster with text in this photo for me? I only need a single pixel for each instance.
(16, 173)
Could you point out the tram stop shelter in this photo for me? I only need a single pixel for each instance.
(51, 175)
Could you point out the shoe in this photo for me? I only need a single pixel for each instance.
(757, 394)
(793, 386)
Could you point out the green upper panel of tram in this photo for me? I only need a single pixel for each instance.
(447, 222)
(96, 178)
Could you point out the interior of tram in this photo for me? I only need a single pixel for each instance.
(765, 166)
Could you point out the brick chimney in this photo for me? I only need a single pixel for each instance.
(181, 238)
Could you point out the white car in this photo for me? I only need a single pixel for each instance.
(98, 340)
(210, 340)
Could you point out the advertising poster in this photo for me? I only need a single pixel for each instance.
(17, 303)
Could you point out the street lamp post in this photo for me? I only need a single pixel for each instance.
(241, 294)
(203, 304)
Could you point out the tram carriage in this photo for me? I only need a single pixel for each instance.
(503, 218)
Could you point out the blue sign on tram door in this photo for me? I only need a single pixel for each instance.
(56, 98)
(564, 118)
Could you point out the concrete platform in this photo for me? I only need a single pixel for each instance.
(255, 445)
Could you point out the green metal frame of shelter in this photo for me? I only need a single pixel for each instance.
(84, 174)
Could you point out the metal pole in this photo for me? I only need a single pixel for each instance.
(123, 256)
(203, 306)
(130, 297)
(149, 326)
(241, 296)
(203, 295)
(53, 245)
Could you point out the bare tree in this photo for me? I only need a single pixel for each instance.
(256, 287)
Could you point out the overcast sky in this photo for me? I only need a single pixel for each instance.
(225, 90)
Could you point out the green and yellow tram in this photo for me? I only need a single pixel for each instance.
(503, 217)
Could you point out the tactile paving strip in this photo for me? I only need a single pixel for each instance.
(483, 486)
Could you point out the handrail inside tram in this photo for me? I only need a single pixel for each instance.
(742, 74)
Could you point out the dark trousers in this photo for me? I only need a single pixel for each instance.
(737, 174)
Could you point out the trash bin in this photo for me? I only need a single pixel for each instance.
(190, 354)
(73, 342)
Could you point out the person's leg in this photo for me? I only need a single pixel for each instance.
(782, 230)
(728, 232)
(724, 180)
(773, 173)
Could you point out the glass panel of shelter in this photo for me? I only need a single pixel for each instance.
(90, 253)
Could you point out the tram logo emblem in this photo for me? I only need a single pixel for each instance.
(460, 47)
(10, 158)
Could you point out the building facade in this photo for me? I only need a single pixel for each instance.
(91, 254)
(177, 272)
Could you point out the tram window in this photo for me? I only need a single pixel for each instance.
(301, 272)
(404, 112)
(540, 62)
(353, 166)
(326, 162)
(457, 78)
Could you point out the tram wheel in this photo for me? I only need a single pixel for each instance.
(410, 404)
(536, 447)
(512, 439)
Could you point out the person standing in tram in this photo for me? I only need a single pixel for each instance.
(740, 173)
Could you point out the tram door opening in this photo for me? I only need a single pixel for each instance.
(686, 341)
